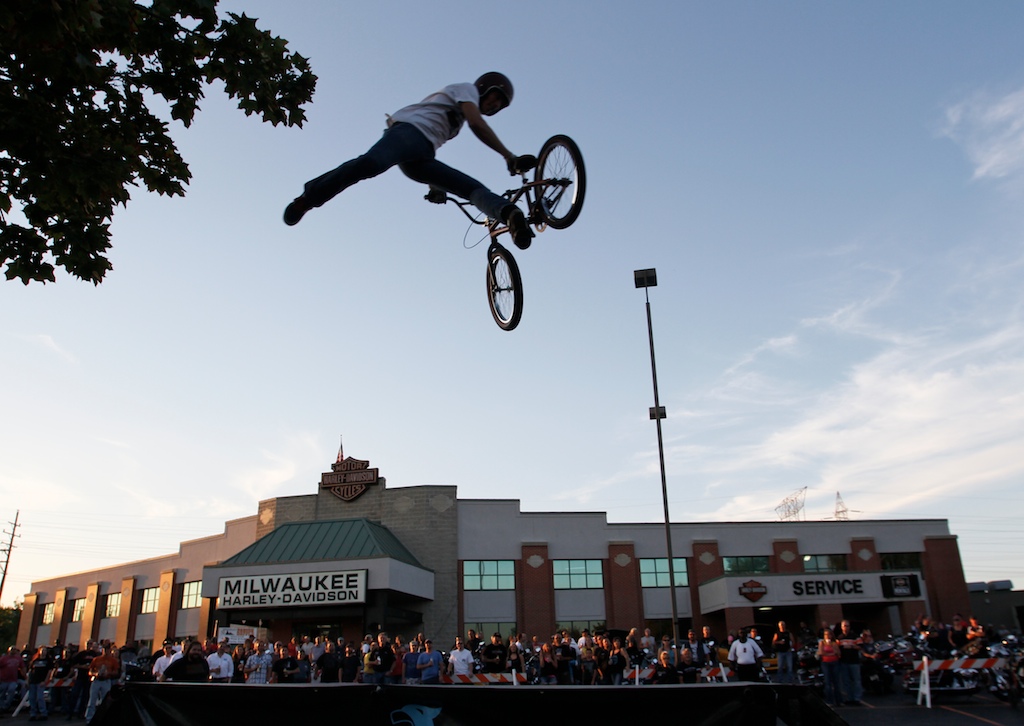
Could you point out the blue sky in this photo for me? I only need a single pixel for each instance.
(830, 192)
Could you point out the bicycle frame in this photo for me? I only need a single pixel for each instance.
(496, 228)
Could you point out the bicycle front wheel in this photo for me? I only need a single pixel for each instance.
(504, 287)
(563, 181)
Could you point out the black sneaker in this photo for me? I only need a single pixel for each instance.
(294, 211)
(522, 235)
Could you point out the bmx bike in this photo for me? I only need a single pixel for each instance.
(554, 199)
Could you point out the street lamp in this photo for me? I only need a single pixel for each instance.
(646, 279)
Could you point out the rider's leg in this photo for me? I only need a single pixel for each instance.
(402, 142)
(453, 181)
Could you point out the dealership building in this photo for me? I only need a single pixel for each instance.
(356, 556)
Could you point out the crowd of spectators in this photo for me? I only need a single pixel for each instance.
(85, 677)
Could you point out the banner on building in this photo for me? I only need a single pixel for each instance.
(271, 590)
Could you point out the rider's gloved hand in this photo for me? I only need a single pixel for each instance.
(521, 164)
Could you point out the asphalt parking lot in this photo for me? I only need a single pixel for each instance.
(901, 709)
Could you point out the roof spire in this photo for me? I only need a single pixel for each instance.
(341, 450)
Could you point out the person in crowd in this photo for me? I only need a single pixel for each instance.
(588, 662)
(745, 657)
(958, 634)
(647, 641)
(191, 667)
(286, 667)
(473, 641)
(495, 655)
(688, 668)
(396, 673)
(828, 657)
(104, 669)
(351, 664)
(710, 645)
(784, 645)
(12, 672)
(371, 664)
(161, 663)
(460, 660)
(410, 658)
(80, 662)
(618, 662)
(222, 665)
(38, 670)
(429, 663)
(258, 664)
(601, 652)
(328, 665)
(516, 663)
(849, 664)
(664, 672)
(548, 667)
(238, 658)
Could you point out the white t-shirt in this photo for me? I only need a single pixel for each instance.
(745, 653)
(462, 662)
(160, 665)
(225, 662)
(439, 115)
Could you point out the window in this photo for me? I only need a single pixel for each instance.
(654, 572)
(48, 614)
(489, 575)
(901, 561)
(112, 608)
(824, 563)
(150, 600)
(576, 627)
(745, 565)
(191, 595)
(484, 631)
(78, 610)
(578, 574)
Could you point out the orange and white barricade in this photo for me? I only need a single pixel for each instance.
(957, 664)
(478, 679)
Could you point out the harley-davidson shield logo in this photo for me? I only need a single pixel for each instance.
(349, 478)
(753, 590)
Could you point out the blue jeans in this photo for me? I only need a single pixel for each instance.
(785, 667)
(831, 673)
(852, 687)
(405, 146)
(37, 699)
(8, 692)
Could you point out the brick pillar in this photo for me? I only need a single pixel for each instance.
(60, 617)
(536, 596)
(91, 616)
(129, 608)
(786, 557)
(623, 597)
(944, 574)
(29, 621)
(736, 618)
(864, 556)
(163, 626)
(831, 613)
(705, 565)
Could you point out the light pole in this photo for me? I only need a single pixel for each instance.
(646, 279)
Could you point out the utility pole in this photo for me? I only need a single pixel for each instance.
(7, 551)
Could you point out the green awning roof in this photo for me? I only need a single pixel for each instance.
(342, 539)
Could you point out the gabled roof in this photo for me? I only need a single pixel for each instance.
(342, 539)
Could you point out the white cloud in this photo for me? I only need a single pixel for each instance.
(991, 131)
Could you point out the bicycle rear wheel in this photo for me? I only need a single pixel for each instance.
(504, 287)
(560, 168)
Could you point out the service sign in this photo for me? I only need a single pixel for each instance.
(273, 590)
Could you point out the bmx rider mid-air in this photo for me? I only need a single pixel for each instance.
(413, 136)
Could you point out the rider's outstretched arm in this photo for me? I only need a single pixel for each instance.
(483, 130)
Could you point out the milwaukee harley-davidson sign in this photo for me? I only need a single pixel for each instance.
(349, 478)
(753, 590)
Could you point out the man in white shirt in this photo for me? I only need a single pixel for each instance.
(222, 665)
(161, 663)
(414, 134)
(460, 662)
(745, 658)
